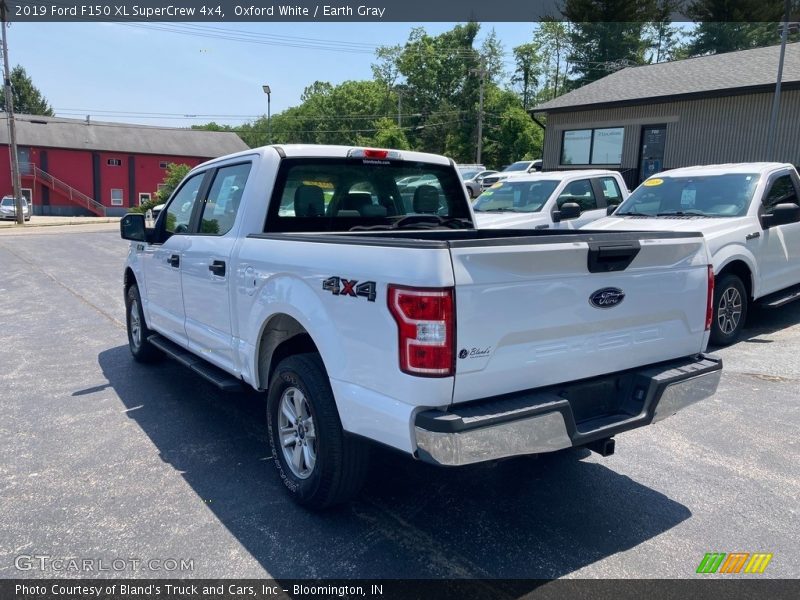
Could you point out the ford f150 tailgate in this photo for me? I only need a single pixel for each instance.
(536, 312)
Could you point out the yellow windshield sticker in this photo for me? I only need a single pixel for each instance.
(653, 182)
(496, 185)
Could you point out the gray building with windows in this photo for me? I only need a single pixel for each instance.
(705, 110)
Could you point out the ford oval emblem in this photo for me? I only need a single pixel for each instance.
(607, 297)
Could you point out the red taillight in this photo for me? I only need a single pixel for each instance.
(710, 299)
(425, 322)
(372, 153)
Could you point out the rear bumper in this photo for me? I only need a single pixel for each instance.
(558, 417)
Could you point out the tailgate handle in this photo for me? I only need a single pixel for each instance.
(605, 258)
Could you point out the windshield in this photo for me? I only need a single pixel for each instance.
(516, 196)
(518, 166)
(726, 195)
(468, 174)
(315, 194)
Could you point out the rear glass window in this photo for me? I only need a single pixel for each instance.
(339, 194)
(726, 195)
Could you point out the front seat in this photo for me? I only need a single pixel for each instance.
(426, 199)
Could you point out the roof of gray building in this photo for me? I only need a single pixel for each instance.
(707, 75)
(56, 132)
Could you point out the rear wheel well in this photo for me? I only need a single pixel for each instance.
(742, 271)
(283, 336)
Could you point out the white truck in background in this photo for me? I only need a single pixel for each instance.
(749, 214)
(555, 199)
(366, 312)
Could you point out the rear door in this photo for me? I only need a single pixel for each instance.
(206, 274)
(533, 313)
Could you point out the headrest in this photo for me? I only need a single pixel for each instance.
(309, 201)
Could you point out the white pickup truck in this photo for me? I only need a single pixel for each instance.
(750, 215)
(555, 199)
(366, 313)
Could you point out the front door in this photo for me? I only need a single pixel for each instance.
(654, 141)
(163, 262)
(779, 245)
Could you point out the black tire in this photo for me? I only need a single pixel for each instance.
(730, 310)
(142, 350)
(340, 461)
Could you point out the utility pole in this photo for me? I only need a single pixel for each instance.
(776, 99)
(12, 129)
(399, 108)
(481, 72)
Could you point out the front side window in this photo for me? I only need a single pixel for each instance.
(179, 211)
(581, 193)
(610, 191)
(339, 194)
(726, 195)
(516, 196)
(782, 191)
(224, 197)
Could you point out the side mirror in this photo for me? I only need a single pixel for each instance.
(569, 210)
(781, 214)
(131, 227)
(611, 209)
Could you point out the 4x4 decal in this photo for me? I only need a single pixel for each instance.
(339, 286)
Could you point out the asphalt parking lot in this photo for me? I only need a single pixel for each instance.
(104, 458)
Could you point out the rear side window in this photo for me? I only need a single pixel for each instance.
(224, 197)
(339, 194)
(581, 193)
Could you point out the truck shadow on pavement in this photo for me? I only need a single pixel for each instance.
(765, 321)
(525, 518)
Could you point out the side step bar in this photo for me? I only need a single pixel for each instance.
(206, 370)
(781, 298)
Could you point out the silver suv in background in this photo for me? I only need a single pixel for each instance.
(8, 209)
(521, 167)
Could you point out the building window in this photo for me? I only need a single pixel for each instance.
(116, 197)
(163, 164)
(114, 162)
(593, 146)
(144, 197)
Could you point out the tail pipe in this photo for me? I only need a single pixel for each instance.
(604, 447)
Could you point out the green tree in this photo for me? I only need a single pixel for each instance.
(554, 45)
(730, 25)
(175, 174)
(666, 40)
(388, 134)
(528, 59)
(606, 35)
(26, 96)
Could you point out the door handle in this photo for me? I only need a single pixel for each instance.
(217, 268)
(174, 260)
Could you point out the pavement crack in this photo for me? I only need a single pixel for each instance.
(75, 293)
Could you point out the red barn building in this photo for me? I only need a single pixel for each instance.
(75, 167)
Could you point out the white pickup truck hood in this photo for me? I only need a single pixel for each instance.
(510, 220)
(718, 232)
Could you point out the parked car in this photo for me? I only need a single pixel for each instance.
(750, 215)
(472, 181)
(8, 209)
(521, 167)
(362, 320)
(560, 199)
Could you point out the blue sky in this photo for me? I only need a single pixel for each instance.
(86, 68)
